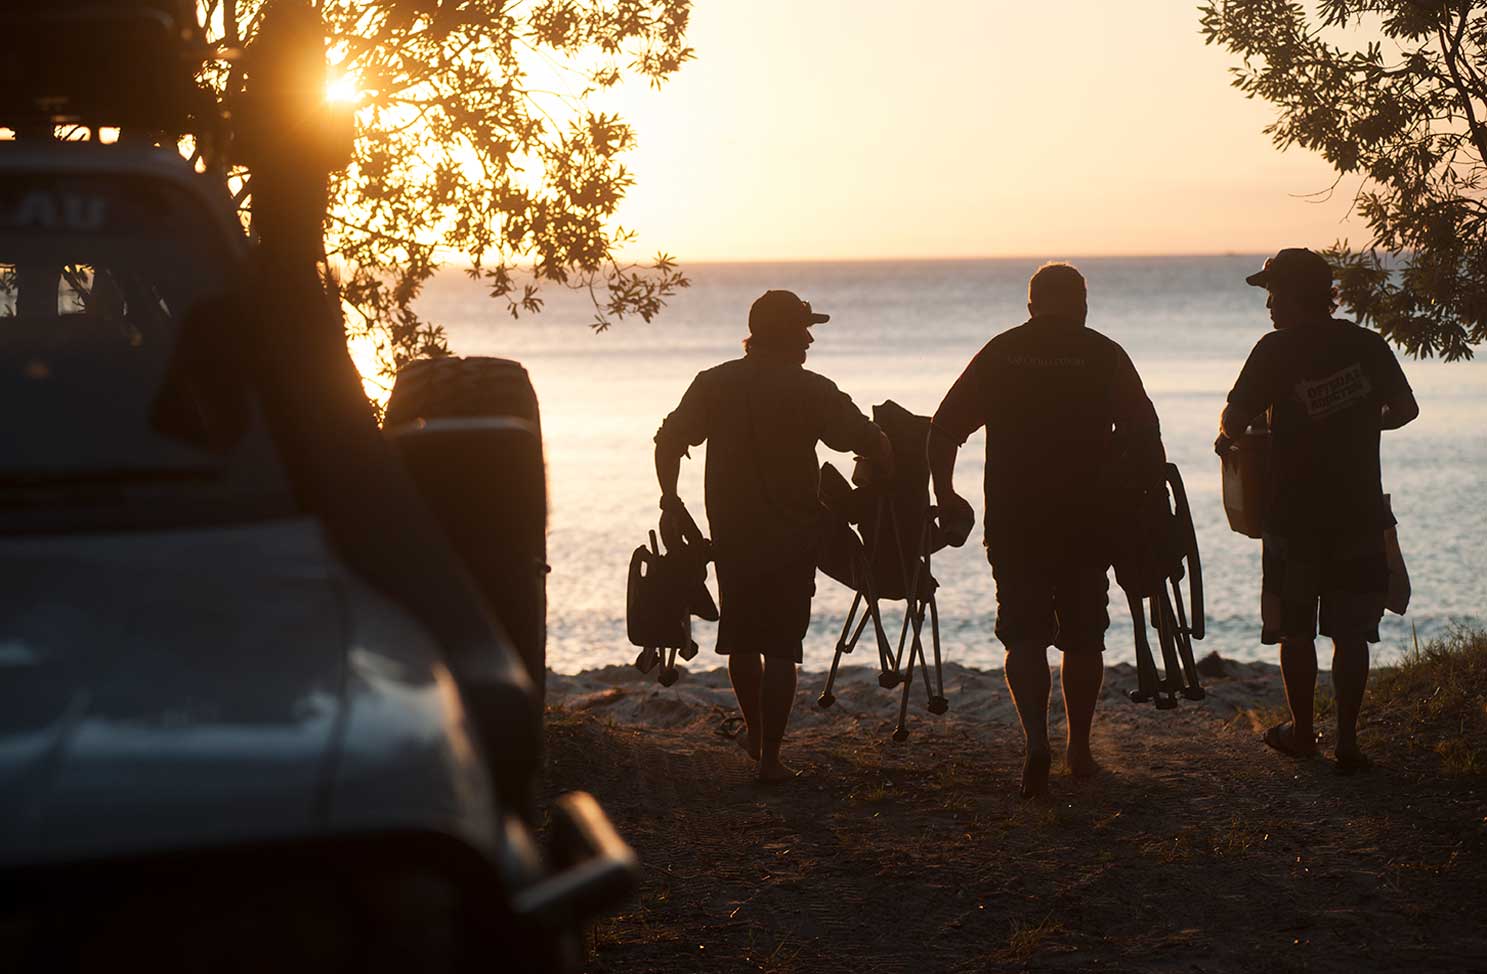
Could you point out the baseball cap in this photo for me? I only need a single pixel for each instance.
(1294, 269)
(776, 311)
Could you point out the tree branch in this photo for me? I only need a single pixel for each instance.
(1452, 51)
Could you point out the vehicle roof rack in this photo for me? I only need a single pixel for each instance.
(125, 63)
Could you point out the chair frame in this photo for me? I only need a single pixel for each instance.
(919, 604)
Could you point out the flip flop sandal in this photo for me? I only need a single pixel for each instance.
(1278, 738)
(730, 727)
(1352, 763)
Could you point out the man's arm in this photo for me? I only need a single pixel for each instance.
(957, 517)
(1400, 407)
(668, 468)
(961, 412)
(1138, 431)
(942, 451)
(1248, 399)
(845, 428)
(685, 427)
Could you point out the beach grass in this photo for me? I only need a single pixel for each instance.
(1434, 702)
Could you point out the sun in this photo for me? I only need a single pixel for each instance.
(344, 89)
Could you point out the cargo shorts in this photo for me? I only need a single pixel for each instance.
(1052, 589)
(765, 610)
(1340, 579)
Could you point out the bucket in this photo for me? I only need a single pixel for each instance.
(1246, 473)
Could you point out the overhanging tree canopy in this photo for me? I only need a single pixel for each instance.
(1406, 115)
(460, 154)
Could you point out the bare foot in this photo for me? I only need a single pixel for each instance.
(1082, 765)
(1035, 774)
(749, 744)
(773, 772)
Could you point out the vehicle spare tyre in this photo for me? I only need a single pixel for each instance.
(470, 433)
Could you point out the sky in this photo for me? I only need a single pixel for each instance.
(841, 129)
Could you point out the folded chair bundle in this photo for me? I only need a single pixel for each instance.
(1154, 548)
(665, 591)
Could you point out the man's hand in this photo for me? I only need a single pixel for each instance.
(1223, 444)
(672, 512)
(957, 517)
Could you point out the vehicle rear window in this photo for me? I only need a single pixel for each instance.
(113, 375)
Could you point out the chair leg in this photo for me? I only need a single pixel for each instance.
(844, 643)
(911, 589)
(1192, 687)
(669, 674)
(938, 704)
(913, 616)
(1166, 622)
(827, 698)
(885, 654)
(1146, 666)
(901, 732)
(888, 668)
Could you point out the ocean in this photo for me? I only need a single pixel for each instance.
(903, 330)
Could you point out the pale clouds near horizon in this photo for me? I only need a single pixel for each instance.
(839, 129)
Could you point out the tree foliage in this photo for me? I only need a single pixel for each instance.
(1405, 114)
(476, 141)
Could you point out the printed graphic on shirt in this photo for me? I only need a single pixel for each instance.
(1338, 391)
(1025, 360)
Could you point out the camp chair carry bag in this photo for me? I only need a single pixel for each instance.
(664, 591)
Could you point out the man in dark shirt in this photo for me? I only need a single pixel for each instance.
(1059, 401)
(762, 416)
(1329, 387)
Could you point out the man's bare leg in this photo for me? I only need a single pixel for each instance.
(1298, 670)
(1349, 680)
(778, 698)
(746, 674)
(1081, 674)
(1028, 679)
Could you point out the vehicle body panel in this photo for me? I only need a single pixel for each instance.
(177, 689)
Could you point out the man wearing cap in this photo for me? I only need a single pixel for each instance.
(762, 416)
(1328, 387)
(1060, 403)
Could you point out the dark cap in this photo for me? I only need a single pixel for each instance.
(777, 311)
(1294, 270)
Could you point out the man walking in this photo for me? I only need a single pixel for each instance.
(1059, 402)
(762, 416)
(1329, 387)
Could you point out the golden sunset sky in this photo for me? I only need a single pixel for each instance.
(867, 129)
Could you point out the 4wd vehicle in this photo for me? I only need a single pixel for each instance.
(256, 711)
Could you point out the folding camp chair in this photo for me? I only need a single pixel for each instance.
(1153, 554)
(664, 592)
(878, 542)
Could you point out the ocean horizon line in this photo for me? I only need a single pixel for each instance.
(984, 259)
(683, 262)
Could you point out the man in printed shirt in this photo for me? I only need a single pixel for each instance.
(1059, 402)
(1329, 387)
(762, 416)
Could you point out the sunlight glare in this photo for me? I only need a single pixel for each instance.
(344, 89)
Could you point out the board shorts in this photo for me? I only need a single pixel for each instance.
(765, 611)
(1052, 589)
(1341, 578)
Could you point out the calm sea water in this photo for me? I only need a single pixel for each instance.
(904, 330)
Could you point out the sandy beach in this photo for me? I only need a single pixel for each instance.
(1197, 849)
